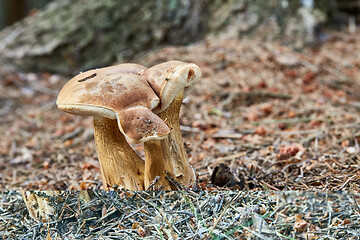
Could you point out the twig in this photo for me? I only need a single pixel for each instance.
(270, 186)
(234, 198)
(256, 233)
(227, 134)
(153, 183)
(173, 235)
(40, 88)
(347, 181)
(256, 94)
(353, 136)
(228, 158)
(175, 183)
(251, 95)
(289, 120)
(356, 204)
(106, 215)
(329, 209)
(299, 132)
(337, 73)
(189, 129)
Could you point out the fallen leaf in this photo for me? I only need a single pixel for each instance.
(300, 225)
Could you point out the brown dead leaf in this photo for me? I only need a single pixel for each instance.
(308, 77)
(290, 73)
(282, 126)
(141, 231)
(267, 108)
(346, 221)
(309, 236)
(262, 84)
(291, 114)
(208, 143)
(87, 165)
(260, 131)
(315, 123)
(251, 117)
(68, 142)
(83, 185)
(289, 151)
(309, 88)
(300, 225)
(135, 225)
(103, 211)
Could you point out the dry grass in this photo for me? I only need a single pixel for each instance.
(189, 215)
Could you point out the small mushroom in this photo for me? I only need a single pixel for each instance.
(171, 81)
(121, 102)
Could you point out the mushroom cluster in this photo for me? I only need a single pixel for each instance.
(132, 103)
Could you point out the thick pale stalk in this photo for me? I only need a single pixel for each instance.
(168, 156)
(120, 165)
(156, 154)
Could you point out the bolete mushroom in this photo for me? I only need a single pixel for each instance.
(171, 81)
(121, 102)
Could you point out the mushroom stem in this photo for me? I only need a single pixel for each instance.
(168, 156)
(155, 163)
(120, 165)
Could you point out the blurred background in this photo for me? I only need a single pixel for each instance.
(71, 36)
(13, 11)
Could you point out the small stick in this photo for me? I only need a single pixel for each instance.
(257, 94)
(289, 120)
(234, 198)
(347, 181)
(153, 183)
(230, 157)
(270, 186)
(173, 235)
(172, 181)
(337, 73)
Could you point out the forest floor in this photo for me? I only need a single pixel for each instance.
(279, 119)
(268, 117)
(188, 215)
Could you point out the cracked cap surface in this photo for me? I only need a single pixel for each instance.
(116, 92)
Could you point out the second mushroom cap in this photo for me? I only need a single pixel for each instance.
(169, 78)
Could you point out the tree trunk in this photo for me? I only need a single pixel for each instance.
(72, 36)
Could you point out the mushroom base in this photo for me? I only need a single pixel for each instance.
(168, 157)
(120, 165)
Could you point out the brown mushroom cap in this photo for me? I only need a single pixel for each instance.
(169, 78)
(116, 92)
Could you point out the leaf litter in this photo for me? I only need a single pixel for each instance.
(188, 215)
(275, 118)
